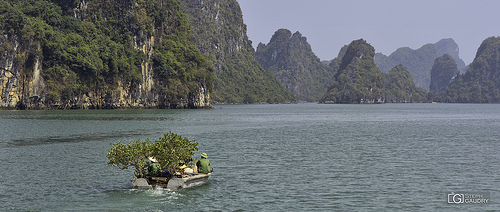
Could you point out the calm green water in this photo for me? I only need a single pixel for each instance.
(391, 157)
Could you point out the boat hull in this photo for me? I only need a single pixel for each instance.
(174, 183)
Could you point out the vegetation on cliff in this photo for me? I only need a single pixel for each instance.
(358, 80)
(87, 49)
(481, 82)
(146, 53)
(400, 88)
(176, 60)
(220, 34)
(334, 64)
(448, 46)
(443, 72)
(291, 60)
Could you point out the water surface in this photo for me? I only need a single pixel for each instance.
(391, 157)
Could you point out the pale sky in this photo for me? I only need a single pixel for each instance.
(385, 24)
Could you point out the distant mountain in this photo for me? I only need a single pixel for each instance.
(443, 72)
(448, 46)
(481, 82)
(290, 58)
(419, 62)
(220, 34)
(358, 79)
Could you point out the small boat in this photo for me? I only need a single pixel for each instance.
(172, 183)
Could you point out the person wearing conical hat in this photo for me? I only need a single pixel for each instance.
(203, 164)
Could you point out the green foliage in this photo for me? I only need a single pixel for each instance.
(96, 51)
(167, 150)
(135, 154)
(86, 48)
(400, 88)
(180, 67)
(172, 148)
(358, 80)
(481, 82)
(242, 80)
(52, 97)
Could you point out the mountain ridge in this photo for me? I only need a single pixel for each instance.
(220, 34)
(291, 60)
(419, 61)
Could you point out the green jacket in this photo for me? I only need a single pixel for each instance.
(154, 169)
(203, 166)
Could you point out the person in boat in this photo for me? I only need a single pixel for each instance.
(185, 168)
(182, 166)
(154, 168)
(203, 164)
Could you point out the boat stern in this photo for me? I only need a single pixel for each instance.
(187, 181)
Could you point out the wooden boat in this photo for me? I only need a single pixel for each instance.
(172, 183)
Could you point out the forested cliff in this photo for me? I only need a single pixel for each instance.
(82, 54)
(129, 54)
(443, 71)
(481, 82)
(358, 79)
(99, 54)
(220, 33)
(290, 58)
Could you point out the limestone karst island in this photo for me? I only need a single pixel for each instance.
(85, 54)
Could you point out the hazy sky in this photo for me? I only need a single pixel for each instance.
(386, 24)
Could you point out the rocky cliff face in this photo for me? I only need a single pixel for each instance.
(358, 80)
(21, 85)
(218, 28)
(220, 34)
(9, 77)
(30, 79)
(291, 60)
